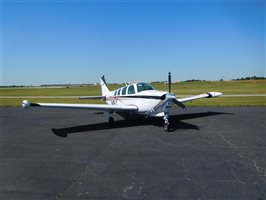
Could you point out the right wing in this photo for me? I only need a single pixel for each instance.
(100, 107)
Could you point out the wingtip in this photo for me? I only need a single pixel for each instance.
(214, 94)
(217, 94)
(25, 104)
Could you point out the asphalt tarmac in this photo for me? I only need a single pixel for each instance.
(212, 153)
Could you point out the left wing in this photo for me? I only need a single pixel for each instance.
(101, 107)
(172, 98)
(204, 95)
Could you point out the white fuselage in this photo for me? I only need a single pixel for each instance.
(145, 100)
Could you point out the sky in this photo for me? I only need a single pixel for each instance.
(66, 41)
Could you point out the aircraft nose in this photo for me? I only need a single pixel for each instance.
(170, 96)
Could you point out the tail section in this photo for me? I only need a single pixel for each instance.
(104, 88)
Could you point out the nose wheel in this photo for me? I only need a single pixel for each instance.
(167, 127)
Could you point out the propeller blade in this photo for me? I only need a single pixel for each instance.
(160, 104)
(180, 104)
(169, 82)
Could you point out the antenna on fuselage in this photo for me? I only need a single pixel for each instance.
(169, 82)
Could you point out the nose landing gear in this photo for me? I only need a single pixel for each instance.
(167, 127)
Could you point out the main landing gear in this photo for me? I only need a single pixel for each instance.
(111, 122)
(109, 119)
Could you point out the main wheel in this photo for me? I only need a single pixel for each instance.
(111, 122)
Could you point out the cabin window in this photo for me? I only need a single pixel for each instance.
(131, 89)
(144, 86)
(115, 92)
(124, 90)
(118, 93)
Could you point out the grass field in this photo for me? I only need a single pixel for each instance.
(183, 88)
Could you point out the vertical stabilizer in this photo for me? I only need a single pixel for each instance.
(104, 88)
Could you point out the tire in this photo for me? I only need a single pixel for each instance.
(167, 127)
(111, 122)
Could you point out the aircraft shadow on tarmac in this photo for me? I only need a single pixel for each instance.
(131, 120)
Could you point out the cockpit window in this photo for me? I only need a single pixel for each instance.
(144, 86)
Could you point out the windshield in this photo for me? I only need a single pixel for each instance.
(144, 86)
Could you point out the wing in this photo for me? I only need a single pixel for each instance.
(205, 95)
(101, 107)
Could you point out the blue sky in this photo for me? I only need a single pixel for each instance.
(46, 42)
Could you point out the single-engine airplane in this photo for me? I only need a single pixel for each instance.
(139, 97)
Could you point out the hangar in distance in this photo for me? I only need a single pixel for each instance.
(140, 97)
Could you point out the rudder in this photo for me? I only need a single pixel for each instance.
(104, 88)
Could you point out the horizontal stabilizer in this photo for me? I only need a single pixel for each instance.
(92, 97)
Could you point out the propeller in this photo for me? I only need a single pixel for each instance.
(180, 104)
(169, 82)
(169, 97)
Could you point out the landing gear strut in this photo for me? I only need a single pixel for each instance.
(167, 126)
(109, 119)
